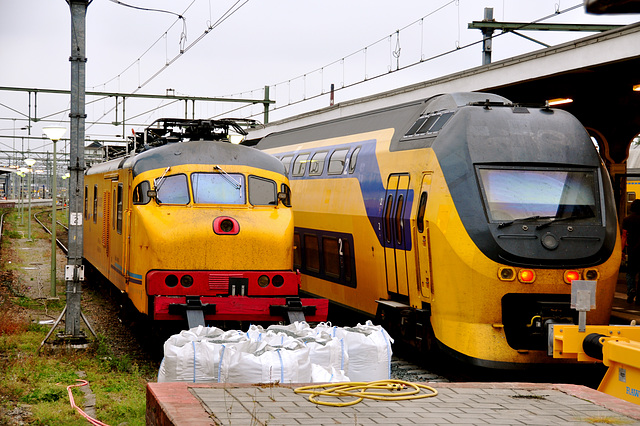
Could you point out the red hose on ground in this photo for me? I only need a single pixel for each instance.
(82, 413)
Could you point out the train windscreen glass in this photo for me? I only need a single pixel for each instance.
(512, 194)
(172, 190)
(218, 188)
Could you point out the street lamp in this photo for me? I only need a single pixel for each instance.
(22, 171)
(54, 133)
(29, 162)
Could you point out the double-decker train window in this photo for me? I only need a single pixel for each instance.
(399, 222)
(324, 255)
(300, 165)
(428, 124)
(172, 190)
(316, 164)
(262, 192)
(331, 256)
(387, 219)
(354, 160)
(218, 188)
(86, 202)
(286, 161)
(337, 160)
(422, 207)
(141, 193)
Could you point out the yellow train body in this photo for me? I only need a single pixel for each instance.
(426, 269)
(162, 253)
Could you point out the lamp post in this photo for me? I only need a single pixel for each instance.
(54, 133)
(22, 171)
(29, 162)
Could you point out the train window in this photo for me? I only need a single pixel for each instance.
(95, 203)
(387, 219)
(337, 160)
(422, 206)
(300, 165)
(262, 192)
(173, 190)
(311, 255)
(113, 208)
(316, 164)
(286, 161)
(331, 256)
(399, 222)
(512, 194)
(140, 193)
(631, 196)
(218, 188)
(119, 210)
(429, 124)
(354, 159)
(86, 202)
(297, 251)
(442, 120)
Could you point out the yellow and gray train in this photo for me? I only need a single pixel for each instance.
(460, 221)
(192, 226)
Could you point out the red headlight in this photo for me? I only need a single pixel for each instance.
(526, 276)
(570, 276)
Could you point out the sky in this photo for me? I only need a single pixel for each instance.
(296, 47)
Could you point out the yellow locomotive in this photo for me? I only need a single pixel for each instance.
(192, 225)
(459, 220)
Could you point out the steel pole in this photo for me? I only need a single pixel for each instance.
(74, 272)
(54, 199)
(29, 180)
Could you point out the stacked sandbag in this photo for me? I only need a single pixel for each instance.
(369, 350)
(295, 353)
(194, 355)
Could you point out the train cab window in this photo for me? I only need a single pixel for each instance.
(316, 164)
(172, 190)
(311, 254)
(300, 165)
(218, 188)
(353, 160)
(442, 120)
(95, 203)
(286, 161)
(422, 206)
(337, 160)
(512, 194)
(262, 192)
(141, 193)
(119, 210)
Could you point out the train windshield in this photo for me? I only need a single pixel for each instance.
(218, 188)
(172, 190)
(512, 194)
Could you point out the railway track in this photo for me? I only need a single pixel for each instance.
(62, 230)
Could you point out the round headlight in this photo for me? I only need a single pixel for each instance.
(263, 281)
(186, 280)
(278, 281)
(591, 274)
(549, 241)
(226, 225)
(171, 280)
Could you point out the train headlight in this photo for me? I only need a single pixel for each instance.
(225, 225)
(171, 280)
(506, 273)
(526, 276)
(278, 280)
(549, 241)
(570, 276)
(591, 274)
(263, 281)
(186, 281)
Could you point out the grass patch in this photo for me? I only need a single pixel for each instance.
(606, 420)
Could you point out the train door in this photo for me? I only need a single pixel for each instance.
(395, 237)
(421, 238)
(116, 241)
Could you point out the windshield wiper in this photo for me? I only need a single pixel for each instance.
(523, 219)
(560, 219)
(228, 178)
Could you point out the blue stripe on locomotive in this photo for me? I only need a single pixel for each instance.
(372, 188)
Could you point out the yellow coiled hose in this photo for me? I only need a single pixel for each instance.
(395, 390)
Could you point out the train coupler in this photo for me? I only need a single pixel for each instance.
(194, 309)
(293, 310)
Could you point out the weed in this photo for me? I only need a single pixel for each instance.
(606, 420)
